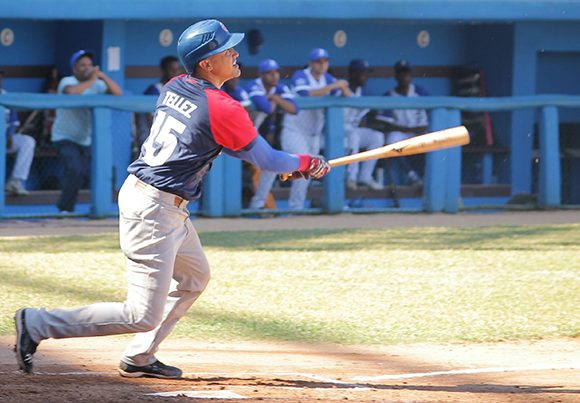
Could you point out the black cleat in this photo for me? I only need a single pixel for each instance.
(155, 370)
(25, 347)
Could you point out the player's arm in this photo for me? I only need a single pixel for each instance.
(417, 129)
(301, 86)
(340, 85)
(112, 87)
(262, 103)
(262, 155)
(381, 121)
(76, 89)
(287, 105)
(232, 128)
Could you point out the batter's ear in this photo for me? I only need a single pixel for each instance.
(204, 65)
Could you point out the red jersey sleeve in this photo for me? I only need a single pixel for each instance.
(229, 122)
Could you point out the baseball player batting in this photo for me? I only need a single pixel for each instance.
(167, 268)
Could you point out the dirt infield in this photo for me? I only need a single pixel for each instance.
(85, 369)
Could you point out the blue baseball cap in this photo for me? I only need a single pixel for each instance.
(402, 65)
(318, 53)
(78, 54)
(358, 65)
(267, 65)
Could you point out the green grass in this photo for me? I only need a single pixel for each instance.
(340, 286)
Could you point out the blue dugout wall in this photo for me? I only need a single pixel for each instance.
(516, 44)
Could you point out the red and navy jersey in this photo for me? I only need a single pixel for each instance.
(193, 122)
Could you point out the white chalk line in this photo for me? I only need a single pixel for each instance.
(463, 372)
(193, 375)
(319, 378)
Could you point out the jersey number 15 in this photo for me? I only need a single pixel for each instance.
(161, 141)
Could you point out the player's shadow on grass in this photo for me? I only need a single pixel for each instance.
(47, 287)
(416, 238)
(61, 244)
(258, 327)
(224, 322)
(473, 238)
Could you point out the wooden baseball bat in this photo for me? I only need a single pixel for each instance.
(455, 136)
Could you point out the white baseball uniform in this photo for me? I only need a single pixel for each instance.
(404, 117)
(302, 133)
(357, 138)
(257, 93)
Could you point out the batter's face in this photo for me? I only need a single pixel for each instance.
(83, 68)
(319, 67)
(271, 78)
(224, 65)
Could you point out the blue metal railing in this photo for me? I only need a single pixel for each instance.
(442, 178)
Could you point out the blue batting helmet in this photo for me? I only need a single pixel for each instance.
(204, 39)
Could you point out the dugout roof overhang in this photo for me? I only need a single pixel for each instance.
(403, 10)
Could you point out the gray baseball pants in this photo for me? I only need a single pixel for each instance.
(166, 272)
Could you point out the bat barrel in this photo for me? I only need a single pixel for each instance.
(452, 137)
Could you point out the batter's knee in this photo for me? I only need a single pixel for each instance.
(147, 321)
(205, 275)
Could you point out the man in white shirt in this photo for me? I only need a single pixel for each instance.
(72, 129)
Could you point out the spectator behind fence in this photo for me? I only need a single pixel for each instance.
(360, 137)
(268, 97)
(20, 144)
(401, 124)
(72, 129)
(170, 68)
(302, 133)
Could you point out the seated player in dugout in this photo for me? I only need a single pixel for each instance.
(20, 144)
(360, 174)
(270, 99)
(167, 269)
(402, 124)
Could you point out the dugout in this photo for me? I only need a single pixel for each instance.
(522, 48)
